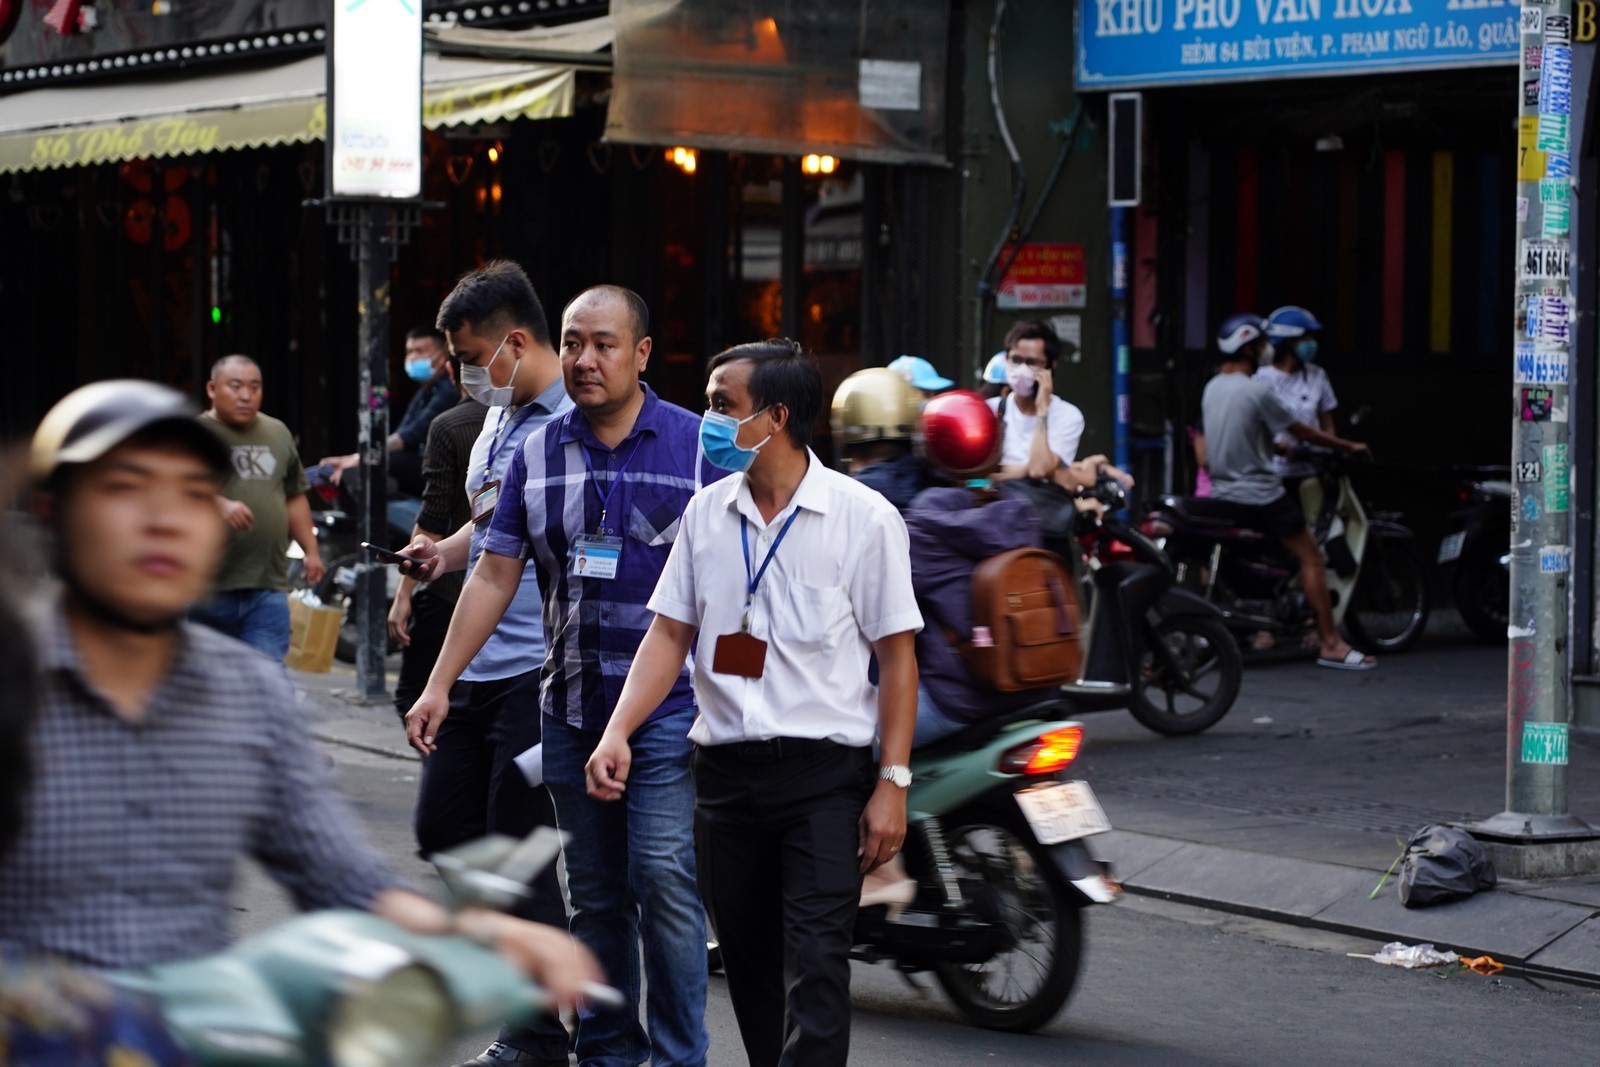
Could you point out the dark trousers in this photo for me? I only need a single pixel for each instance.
(430, 620)
(471, 788)
(775, 842)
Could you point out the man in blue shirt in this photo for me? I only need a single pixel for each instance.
(594, 500)
(477, 714)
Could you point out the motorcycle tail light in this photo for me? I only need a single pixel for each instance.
(1048, 753)
(1155, 526)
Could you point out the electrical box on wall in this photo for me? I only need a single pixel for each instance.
(1127, 112)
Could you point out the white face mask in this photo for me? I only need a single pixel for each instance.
(1023, 379)
(480, 386)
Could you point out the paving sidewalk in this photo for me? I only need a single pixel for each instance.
(1293, 806)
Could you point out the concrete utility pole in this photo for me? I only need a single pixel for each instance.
(373, 257)
(1536, 836)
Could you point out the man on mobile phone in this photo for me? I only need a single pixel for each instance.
(489, 714)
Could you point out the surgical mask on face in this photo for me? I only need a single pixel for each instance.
(719, 440)
(1023, 379)
(476, 381)
(419, 370)
(1306, 350)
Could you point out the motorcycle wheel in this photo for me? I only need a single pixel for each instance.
(1023, 986)
(1483, 593)
(1187, 677)
(1389, 607)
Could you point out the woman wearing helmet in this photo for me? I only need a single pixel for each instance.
(1300, 383)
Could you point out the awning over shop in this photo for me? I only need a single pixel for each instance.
(284, 104)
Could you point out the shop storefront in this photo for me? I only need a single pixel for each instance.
(1357, 158)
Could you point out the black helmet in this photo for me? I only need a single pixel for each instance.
(90, 421)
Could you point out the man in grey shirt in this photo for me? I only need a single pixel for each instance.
(1242, 416)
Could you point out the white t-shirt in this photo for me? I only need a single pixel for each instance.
(839, 580)
(1307, 395)
(1064, 428)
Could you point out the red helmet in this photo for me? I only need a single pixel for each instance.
(959, 434)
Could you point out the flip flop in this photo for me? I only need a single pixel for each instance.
(1352, 661)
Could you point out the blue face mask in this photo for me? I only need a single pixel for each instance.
(719, 440)
(419, 370)
(1306, 350)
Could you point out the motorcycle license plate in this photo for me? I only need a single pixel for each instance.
(1450, 547)
(1062, 811)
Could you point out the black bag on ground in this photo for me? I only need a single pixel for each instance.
(1443, 864)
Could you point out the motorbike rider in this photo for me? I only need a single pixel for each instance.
(163, 752)
(873, 417)
(1300, 383)
(1242, 416)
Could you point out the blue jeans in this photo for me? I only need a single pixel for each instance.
(630, 870)
(258, 617)
(932, 724)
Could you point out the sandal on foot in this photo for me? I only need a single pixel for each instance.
(1352, 661)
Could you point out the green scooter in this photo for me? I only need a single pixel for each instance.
(348, 989)
(996, 845)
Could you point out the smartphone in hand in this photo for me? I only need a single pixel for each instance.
(383, 555)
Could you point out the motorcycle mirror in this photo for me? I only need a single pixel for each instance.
(495, 871)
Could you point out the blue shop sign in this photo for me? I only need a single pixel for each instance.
(1134, 43)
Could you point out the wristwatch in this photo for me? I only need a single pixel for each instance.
(898, 773)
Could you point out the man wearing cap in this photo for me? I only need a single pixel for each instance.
(164, 753)
(920, 375)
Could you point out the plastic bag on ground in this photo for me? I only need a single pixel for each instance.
(1411, 957)
(1442, 864)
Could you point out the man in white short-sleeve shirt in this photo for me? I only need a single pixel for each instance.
(785, 580)
(1040, 430)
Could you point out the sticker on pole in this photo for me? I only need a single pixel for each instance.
(1540, 366)
(1544, 742)
(1557, 483)
(1555, 559)
(1529, 471)
(1545, 259)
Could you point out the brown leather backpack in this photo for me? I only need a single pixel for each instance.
(1024, 622)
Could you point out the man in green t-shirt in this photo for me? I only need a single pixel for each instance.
(264, 503)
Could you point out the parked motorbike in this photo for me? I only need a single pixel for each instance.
(348, 989)
(335, 513)
(1474, 558)
(1152, 646)
(1377, 581)
(995, 841)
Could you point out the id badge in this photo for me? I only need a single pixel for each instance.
(740, 654)
(484, 500)
(596, 557)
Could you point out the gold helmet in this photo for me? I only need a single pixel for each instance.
(874, 404)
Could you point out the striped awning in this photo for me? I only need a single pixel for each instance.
(284, 104)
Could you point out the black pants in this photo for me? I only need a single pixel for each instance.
(430, 620)
(471, 788)
(776, 844)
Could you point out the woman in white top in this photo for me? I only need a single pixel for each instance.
(1294, 376)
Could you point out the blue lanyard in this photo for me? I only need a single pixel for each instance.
(616, 479)
(754, 579)
(494, 445)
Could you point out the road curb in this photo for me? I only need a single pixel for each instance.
(1533, 936)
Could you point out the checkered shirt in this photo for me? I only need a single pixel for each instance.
(134, 831)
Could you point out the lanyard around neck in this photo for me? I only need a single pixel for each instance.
(753, 578)
(498, 440)
(616, 478)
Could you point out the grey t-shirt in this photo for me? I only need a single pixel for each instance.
(1242, 416)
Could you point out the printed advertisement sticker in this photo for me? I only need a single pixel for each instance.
(1555, 559)
(1529, 471)
(1536, 405)
(1557, 482)
(1544, 742)
(1530, 161)
(1540, 366)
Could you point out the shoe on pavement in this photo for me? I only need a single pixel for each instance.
(501, 1055)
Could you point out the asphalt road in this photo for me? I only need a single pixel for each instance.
(1162, 985)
